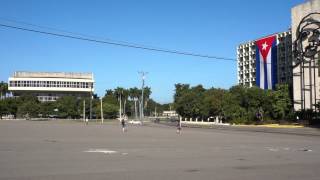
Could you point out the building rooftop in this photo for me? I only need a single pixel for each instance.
(277, 33)
(69, 75)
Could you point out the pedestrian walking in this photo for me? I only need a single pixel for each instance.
(179, 127)
(123, 124)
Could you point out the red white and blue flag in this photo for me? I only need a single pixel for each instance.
(266, 64)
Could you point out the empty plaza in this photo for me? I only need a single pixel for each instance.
(72, 150)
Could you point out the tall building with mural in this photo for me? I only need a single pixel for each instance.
(265, 61)
(297, 58)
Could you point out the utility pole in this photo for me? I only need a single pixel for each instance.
(135, 108)
(101, 110)
(143, 76)
(91, 84)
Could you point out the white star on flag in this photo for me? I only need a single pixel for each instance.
(264, 46)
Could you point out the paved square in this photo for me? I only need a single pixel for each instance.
(69, 150)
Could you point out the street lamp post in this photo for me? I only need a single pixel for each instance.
(143, 76)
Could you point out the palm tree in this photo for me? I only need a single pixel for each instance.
(146, 95)
(109, 92)
(134, 95)
(125, 95)
(118, 93)
(3, 89)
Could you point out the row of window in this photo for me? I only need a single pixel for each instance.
(47, 98)
(63, 84)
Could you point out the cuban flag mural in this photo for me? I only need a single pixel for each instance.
(266, 64)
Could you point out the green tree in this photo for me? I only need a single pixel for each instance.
(47, 108)
(125, 96)
(146, 96)
(134, 96)
(181, 91)
(3, 108)
(253, 100)
(118, 92)
(3, 89)
(212, 103)
(232, 110)
(28, 106)
(188, 101)
(282, 103)
(152, 106)
(68, 107)
(110, 106)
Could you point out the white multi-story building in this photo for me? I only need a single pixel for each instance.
(49, 86)
(246, 59)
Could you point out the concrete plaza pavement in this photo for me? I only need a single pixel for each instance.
(70, 150)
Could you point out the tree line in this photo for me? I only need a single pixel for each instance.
(28, 105)
(239, 104)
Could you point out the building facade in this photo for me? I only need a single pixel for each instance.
(49, 86)
(246, 60)
(170, 114)
(306, 80)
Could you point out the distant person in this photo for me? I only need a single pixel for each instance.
(123, 124)
(87, 121)
(178, 127)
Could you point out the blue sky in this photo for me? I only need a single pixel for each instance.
(200, 26)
